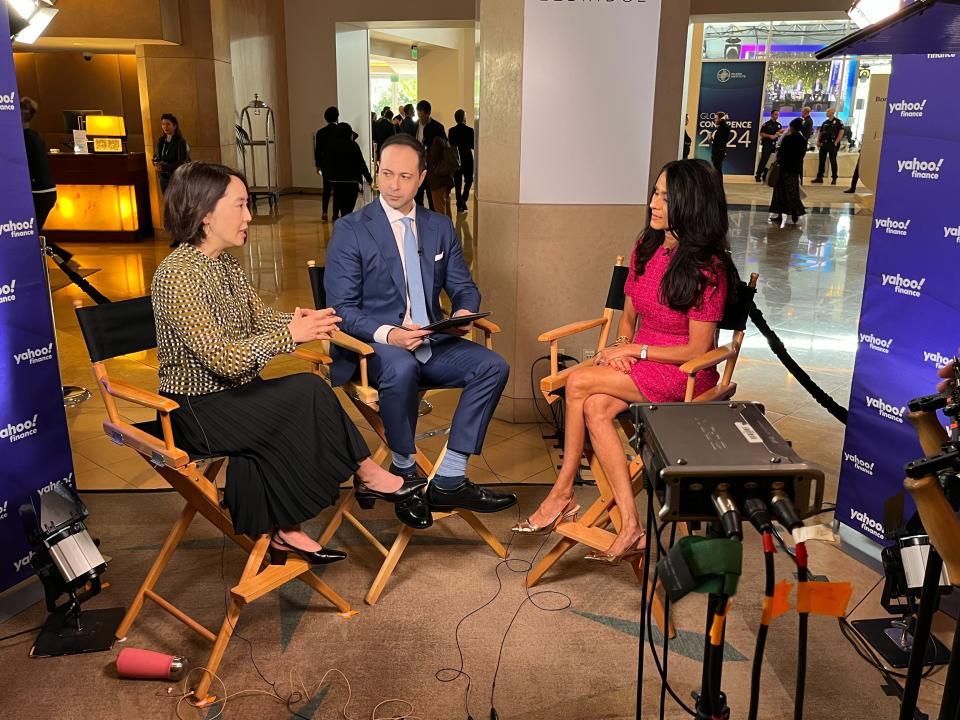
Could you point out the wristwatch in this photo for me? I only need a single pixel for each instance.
(643, 351)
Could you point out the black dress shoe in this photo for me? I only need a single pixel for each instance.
(366, 497)
(412, 476)
(469, 497)
(279, 549)
(414, 512)
(817, 181)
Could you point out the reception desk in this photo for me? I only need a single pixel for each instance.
(103, 197)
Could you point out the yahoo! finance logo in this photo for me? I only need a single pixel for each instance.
(15, 432)
(867, 523)
(921, 169)
(885, 409)
(23, 563)
(908, 109)
(17, 228)
(878, 344)
(904, 285)
(940, 56)
(936, 358)
(8, 101)
(862, 465)
(892, 226)
(8, 292)
(952, 232)
(32, 356)
(3, 509)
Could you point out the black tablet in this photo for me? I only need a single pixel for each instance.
(454, 321)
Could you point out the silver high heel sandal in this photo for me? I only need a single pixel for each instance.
(567, 514)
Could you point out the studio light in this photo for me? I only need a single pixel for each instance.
(28, 19)
(868, 12)
(38, 23)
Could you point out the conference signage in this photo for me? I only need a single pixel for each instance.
(609, 164)
(908, 321)
(34, 446)
(735, 88)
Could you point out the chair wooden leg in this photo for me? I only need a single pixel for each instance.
(254, 561)
(343, 507)
(325, 590)
(156, 570)
(549, 560)
(386, 570)
(481, 530)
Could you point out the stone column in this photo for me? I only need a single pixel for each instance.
(546, 263)
(193, 81)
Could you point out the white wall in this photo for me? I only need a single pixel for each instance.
(353, 82)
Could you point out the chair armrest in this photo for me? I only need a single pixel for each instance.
(311, 356)
(571, 329)
(159, 452)
(137, 395)
(486, 326)
(347, 342)
(708, 360)
(550, 384)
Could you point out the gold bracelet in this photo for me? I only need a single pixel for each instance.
(621, 339)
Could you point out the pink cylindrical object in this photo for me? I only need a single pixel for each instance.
(149, 665)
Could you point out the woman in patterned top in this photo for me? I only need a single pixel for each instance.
(675, 293)
(290, 444)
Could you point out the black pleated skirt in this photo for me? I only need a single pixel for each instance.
(289, 442)
(786, 196)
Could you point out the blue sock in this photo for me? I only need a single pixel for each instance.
(451, 470)
(403, 461)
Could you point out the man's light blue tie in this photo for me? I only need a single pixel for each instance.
(418, 302)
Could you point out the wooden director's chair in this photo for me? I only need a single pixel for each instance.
(590, 528)
(120, 328)
(365, 399)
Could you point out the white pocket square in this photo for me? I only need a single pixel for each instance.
(438, 258)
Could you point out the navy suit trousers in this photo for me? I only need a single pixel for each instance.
(455, 363)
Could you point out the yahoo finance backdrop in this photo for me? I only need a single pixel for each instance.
(34, 447)
(910, 315)
(735, 88)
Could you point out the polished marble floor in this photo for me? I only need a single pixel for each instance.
(811, 280)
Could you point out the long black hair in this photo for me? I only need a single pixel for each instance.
(697, 214)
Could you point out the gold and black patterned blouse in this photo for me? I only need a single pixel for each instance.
(213, 331)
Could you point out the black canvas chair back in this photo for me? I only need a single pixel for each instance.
(118, 328)
(737, 310)
(316, 285)
(615, 294)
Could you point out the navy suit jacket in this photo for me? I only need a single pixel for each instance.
(364, 278)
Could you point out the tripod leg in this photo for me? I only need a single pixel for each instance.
(950, 703)
(928, 605)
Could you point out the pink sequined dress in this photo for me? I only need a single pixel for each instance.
(658, 325)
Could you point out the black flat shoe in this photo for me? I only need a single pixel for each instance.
(414, 512)
(279, 549)
(412, 476)
(366, 497)
(468, 496)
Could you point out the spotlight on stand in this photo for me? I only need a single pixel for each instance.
(868, 12)
(67, 561)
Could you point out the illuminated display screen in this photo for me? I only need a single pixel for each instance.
(94, 207)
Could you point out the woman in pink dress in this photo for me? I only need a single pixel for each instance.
(680, 270)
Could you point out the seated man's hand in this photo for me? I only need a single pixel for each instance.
(461, 330)
(309, 325)
(408, 338)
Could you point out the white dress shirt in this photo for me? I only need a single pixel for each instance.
(394, 217)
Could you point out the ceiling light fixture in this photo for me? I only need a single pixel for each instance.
(868, 12)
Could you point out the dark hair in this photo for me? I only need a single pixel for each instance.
(407, 141)
(425, 106)
(697, 213)
(176, 125)
(195, 189)
(387, 113)
(29, 105)
(459, 116)
(331, 114)
(797, 124)
(408, 110)
(344, 130)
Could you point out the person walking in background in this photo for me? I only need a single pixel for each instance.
(807, 123)
(409, 123)
(769, 132)
(347, 168)
(687, 141)
(321, 154)
(721, 136)
(828, 140)
(461, 137)
(786, 191)
(383, 129)
(172, 150)
(427, 130)
(854, 180)
(43, 188)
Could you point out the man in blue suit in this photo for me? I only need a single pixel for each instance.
(386, 266)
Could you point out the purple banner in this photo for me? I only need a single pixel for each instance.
(34, 446)
(908, 320)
